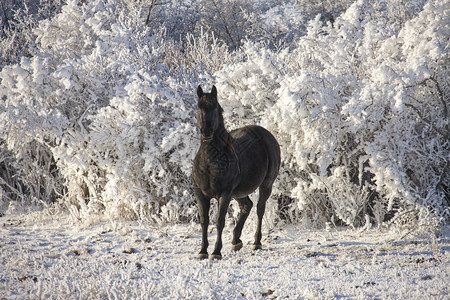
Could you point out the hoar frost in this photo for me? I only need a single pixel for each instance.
(99, 118)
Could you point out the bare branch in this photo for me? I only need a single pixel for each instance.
(147, 21)
(152, 4)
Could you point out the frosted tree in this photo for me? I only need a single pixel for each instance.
(99, 118)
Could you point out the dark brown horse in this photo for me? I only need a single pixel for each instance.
(231, 165)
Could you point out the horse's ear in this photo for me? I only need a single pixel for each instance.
(214, 91)
(199, 91)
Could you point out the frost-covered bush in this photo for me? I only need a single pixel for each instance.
(100, 119)
(110, 105)
(234, 21)
(142, 142)
(223, 18)
(279, 24)
(18, 19)
(360, 109)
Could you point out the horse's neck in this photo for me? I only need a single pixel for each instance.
(222, 140)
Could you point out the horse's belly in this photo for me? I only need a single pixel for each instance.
(247, 186)
(252, 176)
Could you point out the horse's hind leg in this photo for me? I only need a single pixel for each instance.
(245, 204)
(264, 193)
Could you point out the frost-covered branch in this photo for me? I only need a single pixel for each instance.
(428, 122)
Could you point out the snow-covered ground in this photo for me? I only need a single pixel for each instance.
(137, 261)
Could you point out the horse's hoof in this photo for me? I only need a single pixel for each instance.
(215, 257)
(237, 247)
(257, 247)
(202, 256)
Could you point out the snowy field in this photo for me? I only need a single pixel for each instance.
(135, 261)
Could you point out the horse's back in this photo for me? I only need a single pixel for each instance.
(246, 137)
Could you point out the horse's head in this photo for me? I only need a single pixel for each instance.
(209, 113)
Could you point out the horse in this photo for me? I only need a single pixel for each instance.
(231, 165)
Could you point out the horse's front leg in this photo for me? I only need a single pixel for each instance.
(224, 202)
(203, 207)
